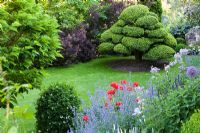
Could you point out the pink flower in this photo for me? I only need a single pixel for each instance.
(85, 118)
(123, 82)
(135, 84)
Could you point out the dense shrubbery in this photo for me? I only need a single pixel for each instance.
(29, 39)
(138, 32)
(174, 102)
(55, 109)
(79, 44)
(193, 125)
(68, 13)
(193, 13)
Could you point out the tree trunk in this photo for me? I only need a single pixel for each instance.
(138, 56)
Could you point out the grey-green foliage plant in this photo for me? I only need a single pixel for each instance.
(138, 32)
(193, 125)
(165, 113)
(55, 109)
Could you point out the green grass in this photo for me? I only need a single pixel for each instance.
(85, 77)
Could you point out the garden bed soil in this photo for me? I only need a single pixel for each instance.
(130, 65)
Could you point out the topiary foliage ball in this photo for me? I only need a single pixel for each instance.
(138, 32)
(193, 125)
(55, 109)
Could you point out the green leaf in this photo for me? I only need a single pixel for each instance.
(13, 129)
(16, 24)
(1, 27)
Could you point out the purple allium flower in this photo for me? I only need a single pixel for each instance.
(192, 72)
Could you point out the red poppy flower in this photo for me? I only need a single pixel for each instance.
(123, 82)
(110, 92)
(118, 104)
(114, 85)
(129, 88)
(135, 84)
(110, 97)
(85, 118)
(121, 88)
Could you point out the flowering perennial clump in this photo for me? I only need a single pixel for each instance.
(120, 105)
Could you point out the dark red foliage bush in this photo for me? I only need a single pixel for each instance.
(101, 16)
(76, 47)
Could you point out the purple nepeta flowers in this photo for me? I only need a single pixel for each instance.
(192, 72)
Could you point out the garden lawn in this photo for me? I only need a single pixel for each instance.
(85, 77)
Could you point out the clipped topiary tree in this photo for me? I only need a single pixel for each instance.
(138, 32)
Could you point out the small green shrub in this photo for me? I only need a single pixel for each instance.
(106, 47)
(55, 109)
(116, 29)
(133, 31)
(136, 43)
(158, 33)
(106, 36)
(146, 21)
(180, 46)
(160, 52)
(132, 13)
(116, 38)
(193, 125)
(170, 40)
(119, 48)
(120, 23)
(181, 40)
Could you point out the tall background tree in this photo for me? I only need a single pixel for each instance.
(154, 6)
